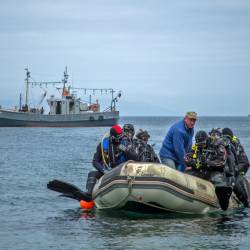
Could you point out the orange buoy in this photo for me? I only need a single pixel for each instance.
(88, 205)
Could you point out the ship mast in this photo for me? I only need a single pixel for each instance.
(64, 81)
(28, 82)
(27, 87)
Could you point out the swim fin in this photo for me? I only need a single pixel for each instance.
(68, 190)
(223, 194)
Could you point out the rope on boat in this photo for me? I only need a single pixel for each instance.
(130, 184)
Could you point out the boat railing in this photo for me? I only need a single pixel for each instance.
(108, 109)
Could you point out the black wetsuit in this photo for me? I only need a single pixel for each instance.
(242, 159)
(145, 151)
(106, 159)
(218, 163)
(241, 185)
(203, 161)
(212, 163)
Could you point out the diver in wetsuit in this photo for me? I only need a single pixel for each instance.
(241, 187)
(243, 162)
(209, 160)
(128, 134)
(109, 153)
(144, 150)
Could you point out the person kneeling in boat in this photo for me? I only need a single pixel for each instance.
(109, 153)
(209, 160)
(144, 150)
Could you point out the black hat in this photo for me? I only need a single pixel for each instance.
(215, 132)
(227, 131)
(128, 128)
(142, 134)
(201, 136)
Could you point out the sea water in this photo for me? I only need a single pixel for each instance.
(33, 217)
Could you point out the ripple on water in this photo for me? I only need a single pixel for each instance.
(34, 218)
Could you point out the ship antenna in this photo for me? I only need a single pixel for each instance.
(27, 87)
(65, 78)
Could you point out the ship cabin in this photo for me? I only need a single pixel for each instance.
(70, 105)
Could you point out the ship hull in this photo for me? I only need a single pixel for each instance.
(22, 119)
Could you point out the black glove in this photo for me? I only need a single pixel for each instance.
(189, 161)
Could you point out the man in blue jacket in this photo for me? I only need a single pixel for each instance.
(178, 142)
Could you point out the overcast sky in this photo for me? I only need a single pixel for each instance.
(167, 57)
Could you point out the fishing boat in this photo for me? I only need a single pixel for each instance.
(65, 111)
(151, 187)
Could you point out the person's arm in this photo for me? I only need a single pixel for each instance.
(178, 144)
(130, 155)
(129, 152)
(242, 155)
(97, 160)
(155, 156)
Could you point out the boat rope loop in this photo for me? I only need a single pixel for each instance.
(130, 184)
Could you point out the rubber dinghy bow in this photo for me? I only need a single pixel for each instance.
(68, 190)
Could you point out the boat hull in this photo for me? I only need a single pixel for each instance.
(155, 186)
(22, 119)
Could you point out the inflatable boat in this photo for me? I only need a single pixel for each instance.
(149, 187)
(140, 186)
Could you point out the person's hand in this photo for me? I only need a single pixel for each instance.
(189, 161)
(187, 158)
(106, 170)
(122, 147)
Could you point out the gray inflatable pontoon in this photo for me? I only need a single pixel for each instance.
(158, 187)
